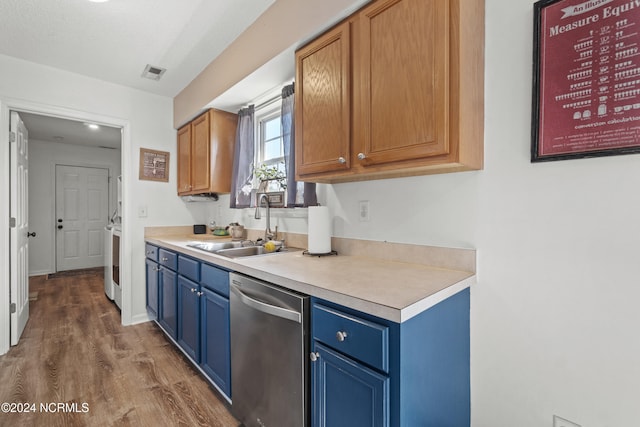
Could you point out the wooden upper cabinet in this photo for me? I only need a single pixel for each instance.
(323, 98)
(201, 153)
(402, 81)
(184, 159)
(415, 93)
(205, 153)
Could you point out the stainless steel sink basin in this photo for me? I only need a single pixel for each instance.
(232, 249)
(242, 252)
(214, 247)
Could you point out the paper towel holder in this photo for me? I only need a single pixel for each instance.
(319, 255)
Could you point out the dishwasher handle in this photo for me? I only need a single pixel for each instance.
(267, 308)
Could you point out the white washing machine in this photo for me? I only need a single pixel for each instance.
(108, 242)
(115, 265)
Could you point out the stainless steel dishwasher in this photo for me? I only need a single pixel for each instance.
(269, 348)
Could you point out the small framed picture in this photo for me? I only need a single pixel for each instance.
(154, 165)
(586, 79)
(276, 199)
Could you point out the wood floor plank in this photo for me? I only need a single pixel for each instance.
(74, 352)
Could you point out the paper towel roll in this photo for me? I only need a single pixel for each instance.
(319, 234)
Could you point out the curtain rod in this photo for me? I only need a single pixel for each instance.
(268, 102)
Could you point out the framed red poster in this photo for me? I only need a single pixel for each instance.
(586, 79)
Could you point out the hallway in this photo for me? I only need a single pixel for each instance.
(75, 351)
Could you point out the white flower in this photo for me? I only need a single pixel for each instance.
(246, 189)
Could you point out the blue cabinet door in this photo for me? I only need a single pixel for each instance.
(346, 393)
(167, 316)
(189, 317)
(215, 351)
(152, 288)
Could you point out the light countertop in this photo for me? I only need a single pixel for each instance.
(390, 289)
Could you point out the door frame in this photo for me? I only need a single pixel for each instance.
(127, 171)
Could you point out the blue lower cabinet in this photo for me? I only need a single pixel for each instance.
(189, 299)
(369, 371)
(189, 317)
(152, 288)
(168, 316)
(346, 393)
(215, 354)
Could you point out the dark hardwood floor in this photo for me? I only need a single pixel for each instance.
(75, 351)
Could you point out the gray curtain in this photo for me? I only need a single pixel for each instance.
(243, 160)
(309, 196)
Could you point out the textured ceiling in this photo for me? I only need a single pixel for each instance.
(114, 41)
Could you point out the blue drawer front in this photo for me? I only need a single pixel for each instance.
(151, 252)
(168, 259)
(189, 268)
(215, 279)
(363, 340)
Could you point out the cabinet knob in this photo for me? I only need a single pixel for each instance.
(341, 336)
(342, 160)
(193, 289)
(155, 269)
(164, 259)
(149, 252)
(199, 293)
(314, 356)
(361, 156)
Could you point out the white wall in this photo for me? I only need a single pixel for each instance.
(555, 317)
(147, 121)
(43, 157)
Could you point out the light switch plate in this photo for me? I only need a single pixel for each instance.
(142, 211)
(364, 211)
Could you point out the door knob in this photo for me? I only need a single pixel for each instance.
(59, 227)
(31, 234)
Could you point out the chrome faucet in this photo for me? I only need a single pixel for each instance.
(268, 234)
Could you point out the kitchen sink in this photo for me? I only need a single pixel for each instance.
(242, 252)
(214, 247)
(233, 249)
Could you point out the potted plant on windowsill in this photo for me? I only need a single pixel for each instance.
(271, 178)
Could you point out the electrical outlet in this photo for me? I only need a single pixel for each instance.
(364, 211)
(561, 422)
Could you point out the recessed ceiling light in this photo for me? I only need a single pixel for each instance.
(98, 1)
(92, 126)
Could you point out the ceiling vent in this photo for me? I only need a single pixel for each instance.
(152, 72)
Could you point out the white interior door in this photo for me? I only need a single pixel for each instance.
(19, 211)
(82, 198)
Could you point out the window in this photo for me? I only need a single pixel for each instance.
(269, 148)
(269, 138)
(264, 168)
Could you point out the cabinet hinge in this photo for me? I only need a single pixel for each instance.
(12, 222)
(12, 307)
(12, 137)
